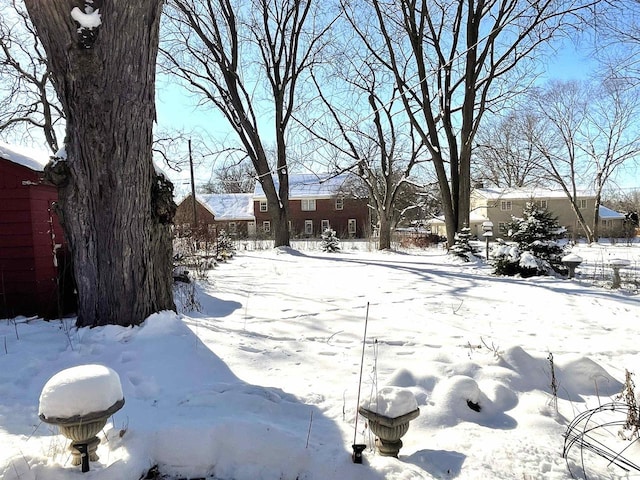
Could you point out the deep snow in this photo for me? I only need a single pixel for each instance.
(262, 383)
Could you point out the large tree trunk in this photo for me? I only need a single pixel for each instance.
(384, 241)
(115, 208)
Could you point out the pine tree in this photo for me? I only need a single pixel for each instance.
(330, 243)
(538, 252)
(462, 248)
(225, 247)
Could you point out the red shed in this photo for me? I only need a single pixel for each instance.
(31, 239)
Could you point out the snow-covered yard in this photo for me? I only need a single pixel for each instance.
(262, 383)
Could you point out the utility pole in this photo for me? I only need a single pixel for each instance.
(193, 188)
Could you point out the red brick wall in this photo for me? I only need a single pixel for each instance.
(325, 210)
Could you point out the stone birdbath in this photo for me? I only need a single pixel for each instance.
(616, 264)
(571, 261)
(389, 414)
(79, 401)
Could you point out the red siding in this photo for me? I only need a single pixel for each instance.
(27, 271)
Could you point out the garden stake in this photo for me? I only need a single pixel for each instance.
(358, 448)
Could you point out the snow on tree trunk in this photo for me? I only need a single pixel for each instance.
(114, 207)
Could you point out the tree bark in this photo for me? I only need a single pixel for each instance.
(115, 208)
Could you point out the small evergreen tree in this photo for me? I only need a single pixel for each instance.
(330, 243)
(462, 248)
(537, 251)
(225, 247)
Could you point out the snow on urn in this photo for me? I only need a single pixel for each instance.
(79, 400)
(571, 261)
(389, 414)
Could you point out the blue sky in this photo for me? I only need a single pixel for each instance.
(177, 108)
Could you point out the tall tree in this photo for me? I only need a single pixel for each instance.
(587, 132)
(453, 60)
(27, 98)
(114, 208)
(503, 156)
(368, 135)
(247, 59)
(617, 38)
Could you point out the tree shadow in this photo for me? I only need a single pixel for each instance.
(438, 463)
(185, 411)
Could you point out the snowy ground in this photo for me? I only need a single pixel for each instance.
(262, 383)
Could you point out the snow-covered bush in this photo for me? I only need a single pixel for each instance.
(536, 250)
(462, 248)
(330, 242)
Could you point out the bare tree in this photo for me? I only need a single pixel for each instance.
(247, 58)
(504, 157)
(617, 38)
(453, 61)
(367, 133)
(232, 177)
(114, 208)
(587, 133)
(27, 97)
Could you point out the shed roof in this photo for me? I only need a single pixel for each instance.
(228, 206)
(33, 159)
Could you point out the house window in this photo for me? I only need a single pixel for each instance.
(266, 226)
(263, 206)
(308, 204)
(351, 226)
(506, 205)
(325, 225)
(339, 203)
(502, 227)
(308, 227)
(541, 204)
(233, 228)
(583, 203)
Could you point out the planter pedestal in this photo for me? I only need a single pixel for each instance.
(388, 430)
(571, 261)
(82, 430)
(79, 401)
(616, 264)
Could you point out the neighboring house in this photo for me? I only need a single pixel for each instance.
(318, 202)
(232, 212)
(34, 277)
(499, 206)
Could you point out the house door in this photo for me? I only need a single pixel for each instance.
(251, 229)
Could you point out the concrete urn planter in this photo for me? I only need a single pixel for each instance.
(79, 401)
(571, 261)
(616, 264)
(389, 415)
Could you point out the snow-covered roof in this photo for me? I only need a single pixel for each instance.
(33, 159)
(608, 214)
(526, 193)
(303, 185)
(474, 217)
(228, 206)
